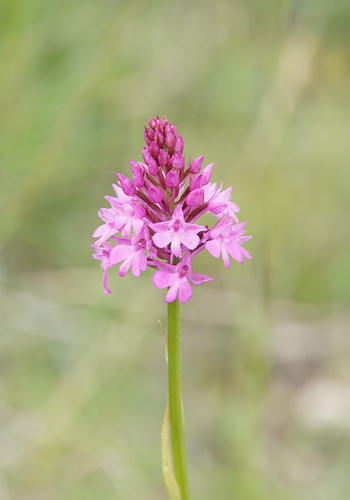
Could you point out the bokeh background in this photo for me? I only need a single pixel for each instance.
(262, 89)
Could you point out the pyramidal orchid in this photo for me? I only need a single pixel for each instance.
(152, 222)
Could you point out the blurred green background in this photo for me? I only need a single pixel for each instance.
(262, 89)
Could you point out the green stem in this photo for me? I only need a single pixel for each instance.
(175, 398)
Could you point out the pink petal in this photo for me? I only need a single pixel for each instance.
(190, 240)
(107, 214)
(194, 228)
(120, 220)
(236, 228)
(176, 246)
(209, 191)
(214, 248)
(217, 209)
(160, 226)
(119, 253)
(135, 266)
(139, 263)
(127, 228)
(137, 225)
(225, 257)
(243, 239)
(172, 292)
(198, 278)
(233, 207)
(185, 291)
(164, 266)
(109, 231)
(178, 214)
(162, 279)
(162, 239)
(246, 253)
(100, 230)
(125, 266)
(105, 282)
(235, 253)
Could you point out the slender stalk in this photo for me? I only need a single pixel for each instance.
(175, 398)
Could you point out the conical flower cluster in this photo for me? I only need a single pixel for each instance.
(152, 219)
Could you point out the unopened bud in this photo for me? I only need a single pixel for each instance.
(206, 174)
(127, 185)
(172, 179)
(155, 194)
(195, 198)
(147, 140)
(148, 135)
(152, 166)
(153, 148)
(179, 144)
(177, 161)
(146, 155)
(170, 140)
(163, 158)
(163, 122)
(151, 162)
(159, 138)
(172, 128)
(196, 165)
(137, 173)
(195, 182)
(152, 123)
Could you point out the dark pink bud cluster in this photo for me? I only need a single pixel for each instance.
(152, 220)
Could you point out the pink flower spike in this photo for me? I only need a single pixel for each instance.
(177, 232)
(152, 218)
(196, 165)
(178, 279)
(126, 184)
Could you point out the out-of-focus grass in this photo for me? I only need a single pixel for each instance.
(261, 89)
